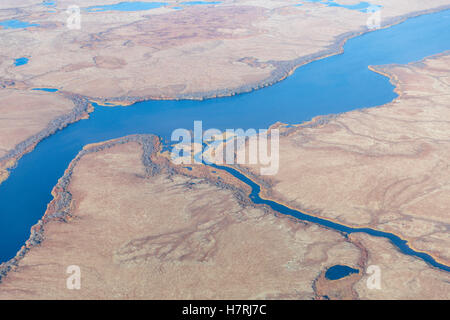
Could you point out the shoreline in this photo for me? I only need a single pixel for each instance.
(283, 68)
(83, 104)
(266, 192)
(63, 209)
(60, 207)
(82, 108)
(263, 196)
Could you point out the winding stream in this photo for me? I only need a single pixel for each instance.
(332, 85)
(400, 243)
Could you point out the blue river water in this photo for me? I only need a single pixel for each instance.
(144, 5)
(199, 3)
(16, 24)
(339, 271)
(361, 6)
(49, 3)
(45, 89)
(21, 61)
(401, 244)
(127, 6)
(332, 85)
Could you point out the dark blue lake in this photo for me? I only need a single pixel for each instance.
(21, 61)
(127, 6)
(338, 272)
(332, 85)
(400, 244)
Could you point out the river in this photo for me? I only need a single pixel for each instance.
(331, 85)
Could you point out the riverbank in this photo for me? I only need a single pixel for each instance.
(282, 70)
(401, 136)
(81, 110)
(59, 209)
(234, 112)
(384, 166)
(143, 223)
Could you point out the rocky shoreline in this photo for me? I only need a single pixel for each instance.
(283, 69)
(60, 207)
(80, 111)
